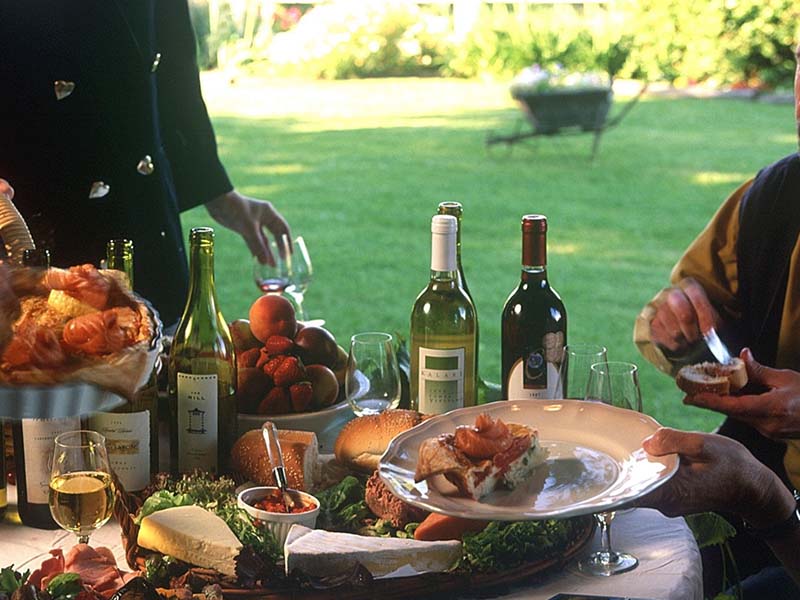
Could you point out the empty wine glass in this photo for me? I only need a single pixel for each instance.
(372, 379)
(575, 368)
(81, 488)
(617, 384)
(273, 278)
(300, 274)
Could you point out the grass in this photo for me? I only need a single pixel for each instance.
(358, 168)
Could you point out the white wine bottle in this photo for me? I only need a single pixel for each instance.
(534, 323)
(131, 431)
(443, 331)
(202, 371)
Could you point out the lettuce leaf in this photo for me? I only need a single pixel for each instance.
(161, 500)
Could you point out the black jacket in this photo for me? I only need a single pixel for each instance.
(104, 133)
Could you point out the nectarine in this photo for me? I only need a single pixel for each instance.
(243, 338)
(324, 384)
(272, 315)
(316, 346)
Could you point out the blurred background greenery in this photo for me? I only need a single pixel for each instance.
(356, 118)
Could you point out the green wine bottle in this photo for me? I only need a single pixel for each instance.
(202, 371)
(443, 329)
(3, 493)
(131, 430)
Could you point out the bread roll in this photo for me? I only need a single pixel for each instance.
(712, 378)
(362, 441)
(300, 451)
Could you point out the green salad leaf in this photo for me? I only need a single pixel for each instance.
(11, 580)
(342, 506)
(505, 545)
(160, 500)
(65, 586)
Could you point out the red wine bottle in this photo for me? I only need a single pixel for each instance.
(534, 323)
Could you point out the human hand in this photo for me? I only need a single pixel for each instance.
(249, 218)
(716, 474)
(774, 413)
(681, 318)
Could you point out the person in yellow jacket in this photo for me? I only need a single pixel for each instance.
(741, 275)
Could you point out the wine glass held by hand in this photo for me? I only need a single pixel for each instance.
(617, 384)
(81, 486)
(575, 369)
(272, 277)
(372, 378)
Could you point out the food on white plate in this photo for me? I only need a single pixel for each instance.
(362, 441)
(712, 378)
(477, 459)
(77, 324)
(300, 451)
(385, 505)
(191, 534)
(323, 553)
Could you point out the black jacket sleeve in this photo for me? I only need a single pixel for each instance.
(188, 135)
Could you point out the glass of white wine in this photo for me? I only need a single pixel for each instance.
(81, 486)
(372, 379)
(300, 274)
(617, 384)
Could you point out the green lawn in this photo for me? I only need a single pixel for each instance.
(358, 168)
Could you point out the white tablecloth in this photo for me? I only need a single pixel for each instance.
(669, 561)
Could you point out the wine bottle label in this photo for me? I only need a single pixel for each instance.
(441, 380)
(128, 445)
(197, 422)
(534, 375)
(38, 436)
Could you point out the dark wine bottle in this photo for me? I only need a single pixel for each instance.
(131, 431)
(33, 449)
(534, 323)
(202, 371)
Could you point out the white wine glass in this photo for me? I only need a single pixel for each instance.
(273, 277)
(301, 273)
(81, 487)
(372, 379)
(575, 369)
(616, 384)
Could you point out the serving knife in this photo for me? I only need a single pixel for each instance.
(717, 347)
(275, 455)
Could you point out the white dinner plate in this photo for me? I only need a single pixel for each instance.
(595, 462)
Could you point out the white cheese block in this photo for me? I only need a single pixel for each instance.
(319, 553)
(191, 534)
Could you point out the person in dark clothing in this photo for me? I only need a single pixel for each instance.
(104, 134)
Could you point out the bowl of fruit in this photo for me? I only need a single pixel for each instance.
(289, 372)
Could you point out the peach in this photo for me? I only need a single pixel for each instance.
(272, 315)
(316, 346)
(324, 385)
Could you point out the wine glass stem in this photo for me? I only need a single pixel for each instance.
(607, 555)
(298, 300)
(83, 539)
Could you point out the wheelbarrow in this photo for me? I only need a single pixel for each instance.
(564, 111)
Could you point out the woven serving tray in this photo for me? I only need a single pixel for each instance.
(425, 584)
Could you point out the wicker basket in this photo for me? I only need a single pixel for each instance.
(426, 584)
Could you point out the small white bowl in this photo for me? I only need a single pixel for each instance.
(278, 523)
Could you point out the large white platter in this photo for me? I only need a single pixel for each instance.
(596, 462)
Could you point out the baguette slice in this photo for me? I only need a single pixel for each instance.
(712, 378)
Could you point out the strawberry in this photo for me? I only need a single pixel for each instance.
(300, 394)
(289, 371)
(271, 365)
(276, 402)
(278, 344)
(248, 358)
(263, 357)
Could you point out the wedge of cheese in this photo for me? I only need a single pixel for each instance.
(320, 553)
(191, 534)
